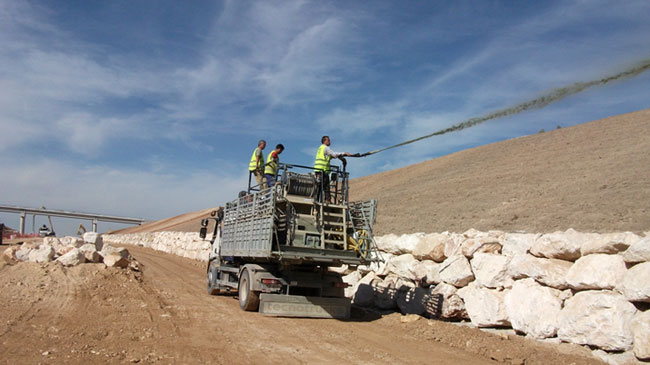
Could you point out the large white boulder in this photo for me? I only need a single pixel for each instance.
(610, 243)
(352, 279)
(72, 258)
(597, 318)
(453, 244)
(485, 307)
(450, 305)
(557, 245)
(489, 242)
(533, 309)
(518, 243)
(427, 272)
(635, 284)
(431, 247)
(44, 253)
(398, 245)
(378, 267)
(403, 265)
(491, 271)
(114, 259)
(90, 253)
(456, 271)
(94, 238)
(641, 332)
(363, 292)
(22, 254)
(550, 272)
(596, 271)
(639, 251)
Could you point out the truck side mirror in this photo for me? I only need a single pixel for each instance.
(203, 232)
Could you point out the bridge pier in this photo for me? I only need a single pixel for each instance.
(23, 214)
(95, 225)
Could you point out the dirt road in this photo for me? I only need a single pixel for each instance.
(162, 314)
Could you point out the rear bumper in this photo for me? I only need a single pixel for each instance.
(281, 305)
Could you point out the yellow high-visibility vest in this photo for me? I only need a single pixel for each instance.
(271, 167)
(322, 162)
(253, 165)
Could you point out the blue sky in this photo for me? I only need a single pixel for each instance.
(152, 108)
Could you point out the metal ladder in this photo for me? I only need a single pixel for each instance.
(362, 216)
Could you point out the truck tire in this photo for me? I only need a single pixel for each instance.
(213, 288)
(248, 299)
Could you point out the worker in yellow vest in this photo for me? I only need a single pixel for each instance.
(271, 167)
(322, 166)
(256, 166)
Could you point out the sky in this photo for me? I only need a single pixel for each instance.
(151, 109)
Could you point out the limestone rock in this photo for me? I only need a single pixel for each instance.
(90, 253)
(477, 244)
(399, 245)
(635, 284)
(616, 358)
(412, 300)
(453, 244)
(431, 247)
(609, 243)
(94, 238)
(365, 281)
(114, 259)
(122, 251)
(485, 307)
(597, 318)
(450, 305)
(641, 332)
(518, 243)
(44, 253)
(351, 279)
(71, 241)
(597, 271)
(10, 253)
(550, 272)
(22, 254)
(456, 271)
(639, 251)
(403, 265)
(533, 309)
(378, 267)
(558, 245)
(427, 272)
(72, 258)
(491, 271)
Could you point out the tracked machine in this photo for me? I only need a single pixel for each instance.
(274, 246)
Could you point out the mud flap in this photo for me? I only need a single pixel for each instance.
(299, 306)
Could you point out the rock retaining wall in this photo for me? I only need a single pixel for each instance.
(584, 288)
(184, 244)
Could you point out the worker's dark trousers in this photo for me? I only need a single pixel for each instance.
(323, 181)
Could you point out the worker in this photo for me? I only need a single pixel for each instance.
(256, 166)
(322, 167)
(271, 167)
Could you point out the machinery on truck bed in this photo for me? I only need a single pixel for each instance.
(275, 246)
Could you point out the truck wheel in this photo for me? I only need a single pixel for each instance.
(213, 289)
(248, 299)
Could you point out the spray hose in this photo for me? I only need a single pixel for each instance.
(537, 103)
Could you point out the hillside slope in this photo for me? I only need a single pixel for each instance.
(591, 177)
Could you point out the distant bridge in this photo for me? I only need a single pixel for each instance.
(67, 214)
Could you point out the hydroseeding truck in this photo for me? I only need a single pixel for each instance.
(274, 246)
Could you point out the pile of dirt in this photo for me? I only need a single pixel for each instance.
(592, 177)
